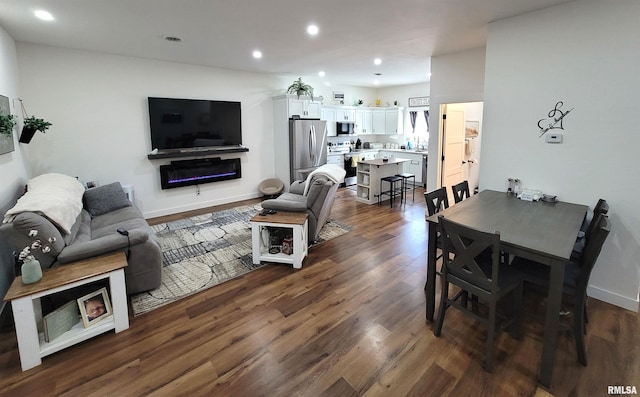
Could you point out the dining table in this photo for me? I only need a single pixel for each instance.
(544, 232)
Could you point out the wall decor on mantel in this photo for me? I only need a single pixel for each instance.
(6, 140)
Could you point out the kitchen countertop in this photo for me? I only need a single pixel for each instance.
(389, 150)
(379, 162)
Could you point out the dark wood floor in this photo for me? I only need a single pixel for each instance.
(349, 323)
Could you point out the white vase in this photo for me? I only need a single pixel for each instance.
(31, 271)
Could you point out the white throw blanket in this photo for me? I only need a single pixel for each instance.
(57, 197)
(331, 171)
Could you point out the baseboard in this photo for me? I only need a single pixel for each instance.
(199, 205)
(614, 299)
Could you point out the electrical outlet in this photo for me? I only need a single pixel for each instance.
(554, 138)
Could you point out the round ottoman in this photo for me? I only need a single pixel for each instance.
(271, 187)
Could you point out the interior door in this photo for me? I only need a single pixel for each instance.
(453, 146)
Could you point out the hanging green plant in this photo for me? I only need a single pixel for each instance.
(7, 122)
(36, 124)
(31, 125)
(299, 88)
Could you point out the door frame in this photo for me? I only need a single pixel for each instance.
(441, 133)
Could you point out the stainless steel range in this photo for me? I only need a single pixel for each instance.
(344, 147)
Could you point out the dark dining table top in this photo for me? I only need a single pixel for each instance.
(546, 229)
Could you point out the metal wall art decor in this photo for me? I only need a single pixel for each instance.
(6, 138)
(555, 119)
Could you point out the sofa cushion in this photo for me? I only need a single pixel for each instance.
(287, 202)
(104, 199)
(128, 218)
(82, 226)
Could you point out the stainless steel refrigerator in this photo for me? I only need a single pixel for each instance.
(307, 145)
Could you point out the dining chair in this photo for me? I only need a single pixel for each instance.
(460, 191)
(472, 263)
(576, 278)
(602, 207)
(437, 200)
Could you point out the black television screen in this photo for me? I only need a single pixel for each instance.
(192, 123)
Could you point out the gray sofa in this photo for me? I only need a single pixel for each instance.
(104, 210)
(317, 201)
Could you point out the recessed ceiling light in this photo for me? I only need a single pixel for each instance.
(44, 15)
(377, 61)
(377, 74)
(312, 30)
(257, 54)
(321, 73)
(376, 82)
(173, 39)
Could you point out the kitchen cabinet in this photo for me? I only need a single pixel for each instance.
(364, 123)
(345, 114)
(414, 165)
(337, 159)
(378, 121)
(304, 106)
(394, 118)
(329, 114)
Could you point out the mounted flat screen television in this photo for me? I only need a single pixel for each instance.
(178, 124)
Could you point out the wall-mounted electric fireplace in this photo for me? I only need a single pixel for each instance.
(197, 172)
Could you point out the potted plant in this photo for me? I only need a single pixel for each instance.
(6, 123)
(31, 125)
(300, 88)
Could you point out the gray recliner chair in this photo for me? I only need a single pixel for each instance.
(316, 203)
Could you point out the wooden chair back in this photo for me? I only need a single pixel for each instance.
(437, 200)
(466, 251)
(460, 191)
(592, 250)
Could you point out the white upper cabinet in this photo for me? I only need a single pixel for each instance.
(372, 120)
(329, 114)
(364, 123)
(394, 121)
(378, 122)
(345, 114)
(305, 107)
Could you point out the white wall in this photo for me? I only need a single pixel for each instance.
(97, 104)
(13, 174)
(402, 93)
(455, 78)
(587, 55)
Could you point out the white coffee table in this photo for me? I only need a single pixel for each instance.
(297, 221)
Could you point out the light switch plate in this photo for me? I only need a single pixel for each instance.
(554, 138)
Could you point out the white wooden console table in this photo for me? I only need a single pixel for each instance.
(27, 312)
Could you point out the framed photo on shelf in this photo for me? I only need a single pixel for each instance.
(95, 307)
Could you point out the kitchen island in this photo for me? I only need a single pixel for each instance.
(369, 173)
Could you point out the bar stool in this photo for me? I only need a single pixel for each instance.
(394, 189)
(405, 185)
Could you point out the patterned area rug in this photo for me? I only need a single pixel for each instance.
(206, 250)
